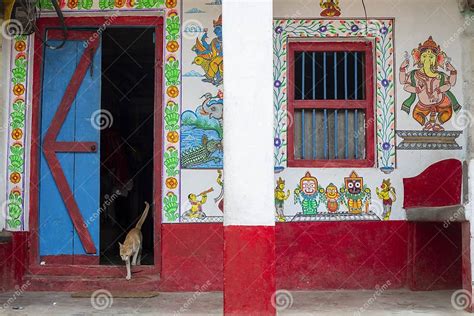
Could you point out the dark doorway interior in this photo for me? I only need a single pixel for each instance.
(127, 145)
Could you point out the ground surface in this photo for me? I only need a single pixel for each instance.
(303, 303)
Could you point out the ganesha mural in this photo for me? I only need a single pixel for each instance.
(431, 101)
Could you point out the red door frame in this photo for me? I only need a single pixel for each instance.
(91, 23)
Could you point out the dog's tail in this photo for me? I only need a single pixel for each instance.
(143, 217)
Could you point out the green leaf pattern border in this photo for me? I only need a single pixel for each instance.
(381, 31)
(16, 218)
(18, 102)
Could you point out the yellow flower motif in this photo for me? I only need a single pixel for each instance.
(20, 46)
(172, 91)
(17, 134)
(172, 137)
(172, 46)
(171, 183)
(171, 4)
(19, 89)
(15, 177)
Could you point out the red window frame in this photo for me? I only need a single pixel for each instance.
(367, 105)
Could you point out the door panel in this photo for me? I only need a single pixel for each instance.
(87, 165)
(79, 168)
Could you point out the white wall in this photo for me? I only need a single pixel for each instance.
(414, 22)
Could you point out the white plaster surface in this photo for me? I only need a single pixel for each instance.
(248, 113)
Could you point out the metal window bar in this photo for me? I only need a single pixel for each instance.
(313, 118)
(346, 116)
(356, 124)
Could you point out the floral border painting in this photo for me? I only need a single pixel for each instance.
(381, 31)
(14, 208)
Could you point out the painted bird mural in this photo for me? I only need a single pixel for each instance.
(209, 56)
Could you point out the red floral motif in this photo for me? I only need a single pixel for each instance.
(170, 4)
(72, 4)
(16, 191)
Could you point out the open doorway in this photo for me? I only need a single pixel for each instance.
(126, 144)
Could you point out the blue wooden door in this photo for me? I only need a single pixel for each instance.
(69, 212)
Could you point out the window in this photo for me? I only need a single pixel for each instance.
(330, 104)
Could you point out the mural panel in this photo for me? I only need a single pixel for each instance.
(379, 30)
(431, 102)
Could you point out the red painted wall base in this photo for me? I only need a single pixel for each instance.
(435, 256)
(249, 270)
(309, 256)
(6, 271)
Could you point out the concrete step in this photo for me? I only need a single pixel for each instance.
(87, 283)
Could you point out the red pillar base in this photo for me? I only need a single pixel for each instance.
(249, 270)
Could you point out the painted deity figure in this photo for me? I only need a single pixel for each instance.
(330, 7)
(332, 198)
(195, 211)
(388, 196)
(210, 55)
(357, 196)
(308, 194)
(280, 198)
(430, 86)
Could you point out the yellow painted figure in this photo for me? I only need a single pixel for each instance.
(280, 198)
(210, 55)
(357, 195)
(330, 8)
(388, 195)
(431, 98)
(332, 198)
(195, 211)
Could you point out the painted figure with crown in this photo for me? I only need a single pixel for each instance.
(388, 196)
(429, 87)
(209, 56)
(309, 194)
(280, 198)
(356, 195)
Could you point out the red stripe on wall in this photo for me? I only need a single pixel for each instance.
(249, 270)
(309, 256)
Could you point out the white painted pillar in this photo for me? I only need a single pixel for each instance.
(248, 112)
(249, 224)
